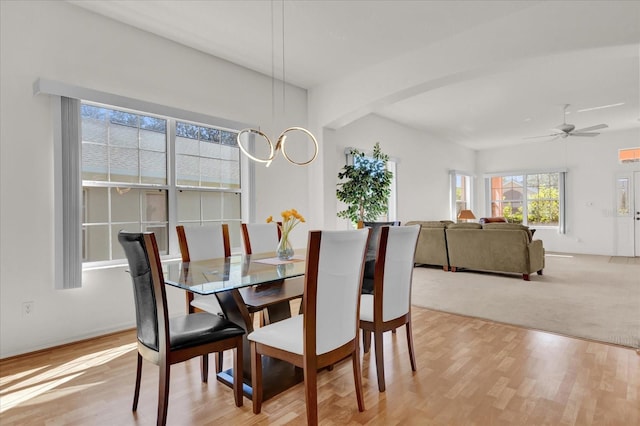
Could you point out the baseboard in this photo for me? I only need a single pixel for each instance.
(78, 339)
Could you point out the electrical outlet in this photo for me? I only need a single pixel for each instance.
(27, 308)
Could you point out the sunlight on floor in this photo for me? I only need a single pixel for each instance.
(549, 341)
(8, 379)
(24, 395)
(50, 377)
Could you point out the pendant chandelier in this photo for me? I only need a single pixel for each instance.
(253, 134)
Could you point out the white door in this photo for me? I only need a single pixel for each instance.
(636, 211)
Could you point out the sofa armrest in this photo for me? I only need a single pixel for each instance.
(536, 256)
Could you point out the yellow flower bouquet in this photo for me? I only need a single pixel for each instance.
(290, 218)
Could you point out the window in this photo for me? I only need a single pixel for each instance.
(125, 178)
(629, 155)
(206, 157)
(375, 167)
(622, 196)
(461, 192)
(208, 177)
(534, 199)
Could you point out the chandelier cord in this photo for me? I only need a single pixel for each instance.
(273, 62)
(284, 86)
(250, 133)
(273, 68)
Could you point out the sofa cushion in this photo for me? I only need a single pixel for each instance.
(505, 226)
(430, 223)
(514, 226)
(464, 225)
(431, 248)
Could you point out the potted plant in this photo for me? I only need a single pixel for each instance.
(365, 186)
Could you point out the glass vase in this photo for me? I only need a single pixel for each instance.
(284, 251)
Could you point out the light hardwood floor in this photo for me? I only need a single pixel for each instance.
(470, 372)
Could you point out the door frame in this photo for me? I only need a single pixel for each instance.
(635, 213)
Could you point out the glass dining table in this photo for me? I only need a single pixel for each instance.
(243, 285)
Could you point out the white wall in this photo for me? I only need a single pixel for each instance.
(592, 165)
(422, 170)
(59, 41)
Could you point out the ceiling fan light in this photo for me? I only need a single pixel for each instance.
(566, 128)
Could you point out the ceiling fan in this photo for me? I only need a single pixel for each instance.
(564, 130)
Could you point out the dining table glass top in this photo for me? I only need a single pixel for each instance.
(236, 271)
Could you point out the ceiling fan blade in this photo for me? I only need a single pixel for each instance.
(583, 134)
(596, 127)
(543, 136)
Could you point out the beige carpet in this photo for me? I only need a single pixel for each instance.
(593, 297)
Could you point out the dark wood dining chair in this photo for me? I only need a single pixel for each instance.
(327, 332)
(389, 307)
(372, 253)
(166, 341)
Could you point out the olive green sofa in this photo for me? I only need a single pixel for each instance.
(432, 244)
(498, 247)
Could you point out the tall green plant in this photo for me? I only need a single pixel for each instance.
(365, 186)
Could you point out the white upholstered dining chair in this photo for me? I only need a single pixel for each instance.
(199, 243)
(327, 332)
(260, 237)
(389, 307)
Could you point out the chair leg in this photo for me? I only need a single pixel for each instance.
(219, 359)
(366, 341)
(256, 378)
(357, 378)
(238, 374)
(377, 336)
(412, 355)
(311, 394)
(163, 392)
(204, 368)
(136, 392)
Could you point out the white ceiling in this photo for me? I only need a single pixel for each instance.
(506, 71)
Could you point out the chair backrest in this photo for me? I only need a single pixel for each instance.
(204, 242)
(394, 270)
(260, 237)
(333, 281)
(150, 299)
(374, 236)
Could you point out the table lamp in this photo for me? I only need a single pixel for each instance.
(466, 215)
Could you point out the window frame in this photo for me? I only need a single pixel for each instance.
(170, 186)
(68, 266)
(392, 201)
(562, 200)
(453, 192)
